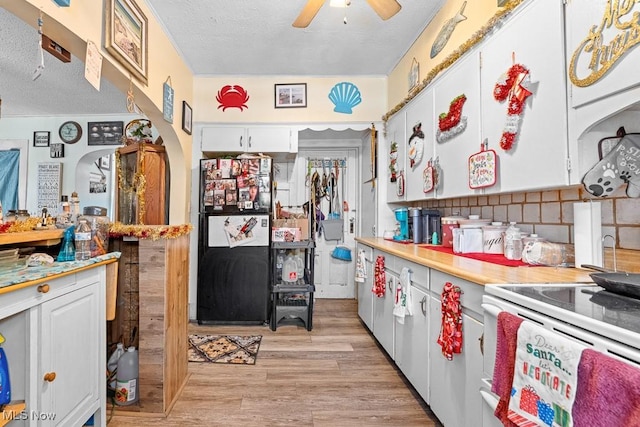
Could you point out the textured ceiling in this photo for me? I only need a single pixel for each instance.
(218, 37)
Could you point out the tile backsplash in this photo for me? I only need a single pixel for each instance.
(549, 213)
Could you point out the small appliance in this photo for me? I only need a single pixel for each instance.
(430, 225)
(402, 216)
(416, 232)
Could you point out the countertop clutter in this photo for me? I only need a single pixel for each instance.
(483, 272)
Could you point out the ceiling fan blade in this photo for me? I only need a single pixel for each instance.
(308, 13)
(385, 8)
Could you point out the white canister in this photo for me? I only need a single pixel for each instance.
(492, 238)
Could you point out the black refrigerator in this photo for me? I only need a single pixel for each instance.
(233, 242)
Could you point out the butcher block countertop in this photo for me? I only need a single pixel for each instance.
(483, 272)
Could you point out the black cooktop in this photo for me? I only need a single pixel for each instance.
(590, 301)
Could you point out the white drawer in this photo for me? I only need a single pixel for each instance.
(471, 292)
(23, 298)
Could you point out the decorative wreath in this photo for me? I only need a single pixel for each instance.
(513, 87)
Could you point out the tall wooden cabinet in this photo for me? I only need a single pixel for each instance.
(142, 176)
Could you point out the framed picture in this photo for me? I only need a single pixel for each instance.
(105, 133)
(41, 138)
(187, 117)
(105, 163)
(56, 150)
(291, 95)
(126, 36)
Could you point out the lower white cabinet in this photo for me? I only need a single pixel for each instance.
(365, 296)
(57, 365)
(412, 344)
(383, 319)
(455, 384)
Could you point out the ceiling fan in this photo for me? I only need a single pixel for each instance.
(384, 8)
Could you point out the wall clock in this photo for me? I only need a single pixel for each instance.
(70, 132)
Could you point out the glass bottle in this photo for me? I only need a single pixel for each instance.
(512, 242)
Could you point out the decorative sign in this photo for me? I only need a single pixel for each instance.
(414, 74)
(232, 96)
(483, 168)
(93, 65)
(56, 150)
(602, 54)
(167, 101)
(49, 186)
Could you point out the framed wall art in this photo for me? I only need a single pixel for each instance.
(126, 36)
(105, 163)
(291, 95)
(104, 133)
(56, 150)
(187, 117)
(41, 138)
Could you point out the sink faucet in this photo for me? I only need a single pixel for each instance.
(613, 239)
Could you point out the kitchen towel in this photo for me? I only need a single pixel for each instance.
(506, 342)
(545, 377)
(403, 301)
(361, 271)
(450, 338)
(608, 392)
(380, 278)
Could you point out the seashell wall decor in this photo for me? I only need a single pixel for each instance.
(345, 96)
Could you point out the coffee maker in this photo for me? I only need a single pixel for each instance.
(415, 225)
(431, 224)
(402, 216)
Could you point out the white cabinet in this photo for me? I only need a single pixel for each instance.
(56, 348)
(420, 112)
(539, 156)
(412, 344)
(259, 139)
(453, 149)
(456, 383)
(395, 135)
(365, 296)
(383, 319)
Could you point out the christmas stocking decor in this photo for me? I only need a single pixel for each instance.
(621, 165)
(453, 122)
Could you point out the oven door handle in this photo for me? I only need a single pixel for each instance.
(492, 309)
(491, 400)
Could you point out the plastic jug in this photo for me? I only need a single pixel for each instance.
(290, 269)
(127, 378)
(512, 242)
(112, 364)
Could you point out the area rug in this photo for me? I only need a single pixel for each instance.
(235, 349)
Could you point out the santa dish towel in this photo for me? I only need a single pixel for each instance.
(361, 271)
(545, 377)
(403, 301)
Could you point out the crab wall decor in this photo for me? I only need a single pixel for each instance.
(232, 96)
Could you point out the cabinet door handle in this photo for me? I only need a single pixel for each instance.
(423, 305)
(43, 289)
(481, 339)
(240, 141)
(249, 142)
(389, 285)
(50, 377)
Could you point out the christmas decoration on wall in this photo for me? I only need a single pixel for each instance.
(393, 161)
(345, 96)
(232, 96)
(483, 167)
(416, 145)
(513, 87)
(428, 178)
(400, 184)
(452, 122)
(621, 165)
(437, 174)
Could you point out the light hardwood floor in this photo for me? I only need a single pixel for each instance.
(335, 375)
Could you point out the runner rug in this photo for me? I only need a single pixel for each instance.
(236, 349)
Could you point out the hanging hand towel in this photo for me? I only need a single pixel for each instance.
(504, 365)
(403, 302)
(361, 271)
(450, 338)
(608, 392)
(545, 377)
(380, 278)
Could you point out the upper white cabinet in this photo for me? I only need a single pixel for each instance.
(395, 137)
(419, 113)
(259, 139)
(459, 86)
(533, 38)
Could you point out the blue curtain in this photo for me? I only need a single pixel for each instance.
(9, 178)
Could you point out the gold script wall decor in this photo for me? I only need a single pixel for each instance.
(605, 53)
